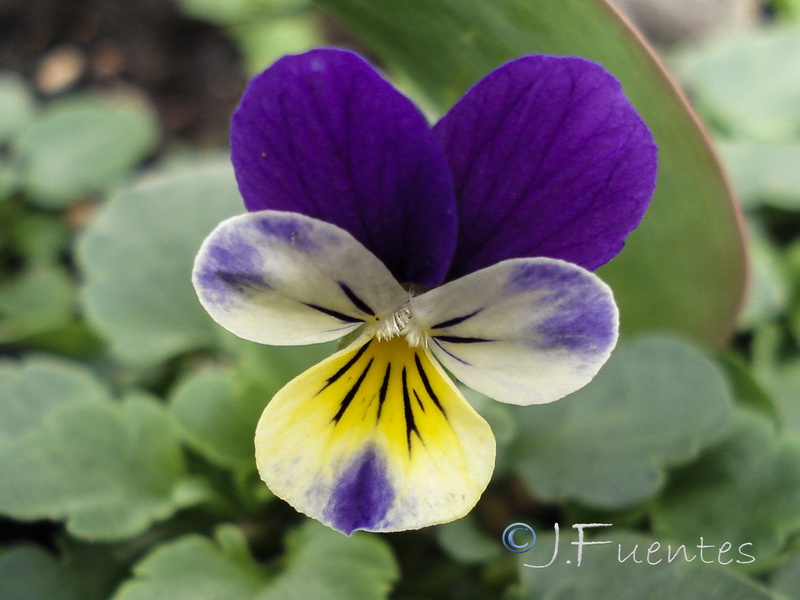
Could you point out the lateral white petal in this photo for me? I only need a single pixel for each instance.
(286, 279)
(523, 331)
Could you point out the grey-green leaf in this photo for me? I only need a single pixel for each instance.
(729, 82)
(763, 173)
(655, 404)
(80, 572)
(602, 574)
(137, 262)
(68, 453)
(81, 146)
(37, 300)
(17, 105)
(786, 579)
(768, 295)
(320, 564)
(28, 572)
(217, 418)
(33, 389)
(746, 489)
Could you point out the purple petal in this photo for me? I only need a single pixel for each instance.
(548, 159)
(324, 135)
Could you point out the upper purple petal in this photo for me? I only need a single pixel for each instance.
(323, 134)
(548, 159)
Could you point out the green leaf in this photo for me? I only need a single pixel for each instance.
(684, 268)
(37, 300)
(37, 387)
(793, 260)
(467, 544)
(323, 564)
(17, 105)
(82, 572)
(747, 83)
(137, 258)
(603, 575)
(81, 146)
(68, 452)
(39, 238)
(217, 421)
(768, 294)
(9, 180)
(319, 564)
(783, 383)
(655, 404)
(786, 578)
(29, 573)
(502, 419)
(763, 173)
(217, 409)
(238, 11)
(265, 41)
(746, 489)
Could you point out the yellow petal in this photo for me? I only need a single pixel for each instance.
(376, 437)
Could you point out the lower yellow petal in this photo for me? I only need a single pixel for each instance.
(376, 437)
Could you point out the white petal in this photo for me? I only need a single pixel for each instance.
(286, 279)
(523, 331)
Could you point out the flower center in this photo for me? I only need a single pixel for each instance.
(400, 322)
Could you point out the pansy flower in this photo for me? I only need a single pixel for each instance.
(466, 247)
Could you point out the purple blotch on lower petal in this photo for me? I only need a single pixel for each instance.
(363, 495)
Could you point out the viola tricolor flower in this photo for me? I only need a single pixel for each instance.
(467, 247)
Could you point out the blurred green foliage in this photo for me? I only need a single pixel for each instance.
(127, 415)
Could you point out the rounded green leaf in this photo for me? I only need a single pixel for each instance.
(684, 268)
(137, 258)
(81, 572)
(764, 173)
(217, 419)
(37, 300)
(17, 105)
(746, 489)
(81, 146)
(655, 404)
(9, 180)
(768, 294)
(38, 386)
(110, 470)
(786, 578)
(320, 564)
(747, 84)
(28, 572)
(217, 409)
(623, 570)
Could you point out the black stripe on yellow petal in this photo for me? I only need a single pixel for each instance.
(388, 386)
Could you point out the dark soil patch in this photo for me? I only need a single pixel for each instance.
(187, 68)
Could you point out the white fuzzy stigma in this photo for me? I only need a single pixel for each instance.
(400, 322)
